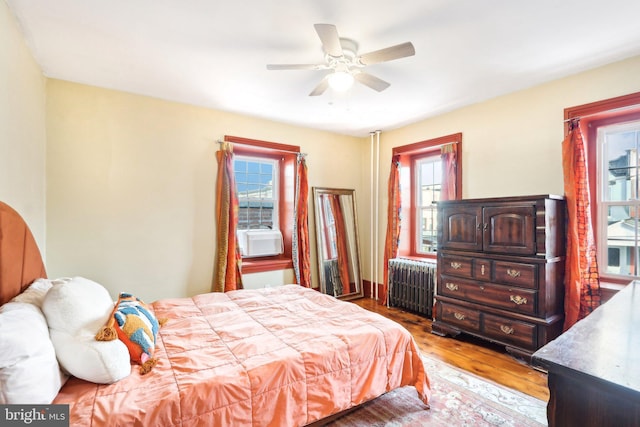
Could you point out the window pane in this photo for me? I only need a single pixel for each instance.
(266, 168)
(253, 178)
(618, 146)
(622, 240)
(267, 192)
(240, 166)
(428, 184)
(614, 257)
(253, 167)
(435, 192)
(428, 230)
(426, 173)
(429, 178)
(621, 162)
(437, 171)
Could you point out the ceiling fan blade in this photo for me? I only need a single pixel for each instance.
(322, 86)
(388, 54)
(296, 66)
(330, 40)
(372, 81)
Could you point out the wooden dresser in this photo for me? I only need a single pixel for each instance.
(501, 270)
(594, 367)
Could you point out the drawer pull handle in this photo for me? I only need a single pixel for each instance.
(458, 316)
(513, 273)
(506, 329)
(456, 265)
(518, 299)
(451, 286)
(482, 269)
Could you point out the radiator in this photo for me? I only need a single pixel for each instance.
(412, 285)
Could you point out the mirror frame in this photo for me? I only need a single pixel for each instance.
(357, 270)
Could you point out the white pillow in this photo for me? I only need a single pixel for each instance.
(36, 292)
(75, 311)
(29, 371)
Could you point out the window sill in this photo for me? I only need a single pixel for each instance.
(604, 284)
(609, 287)
(425, 258)
(259, 265)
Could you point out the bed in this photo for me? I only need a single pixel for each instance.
(278, 356)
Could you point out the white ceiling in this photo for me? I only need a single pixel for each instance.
(213, 53)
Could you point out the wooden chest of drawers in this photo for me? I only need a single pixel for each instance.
(594, 369)
(501, 270)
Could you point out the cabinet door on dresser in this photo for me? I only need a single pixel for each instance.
(509, 229)
(461, 228)
(498, 229)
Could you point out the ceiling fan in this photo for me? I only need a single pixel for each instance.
(341, 56)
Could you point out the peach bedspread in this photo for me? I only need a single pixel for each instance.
(284, 356)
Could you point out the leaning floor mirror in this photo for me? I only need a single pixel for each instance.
(337, 242)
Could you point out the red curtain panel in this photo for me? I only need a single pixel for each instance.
(582, 281)
(301, 251)
(227, 276)
(392, 238)
(449, 172)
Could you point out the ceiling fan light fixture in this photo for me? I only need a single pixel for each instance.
(341, 57)
(340, 81)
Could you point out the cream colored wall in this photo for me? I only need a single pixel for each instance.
(22, 127)
(512, 144)
(131, 183)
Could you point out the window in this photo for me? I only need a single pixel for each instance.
(427, 173)
(257, 184)
(611, 129)
(421, 186)
(265, 180)
(618, 201)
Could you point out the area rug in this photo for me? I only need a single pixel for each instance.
(459, 398)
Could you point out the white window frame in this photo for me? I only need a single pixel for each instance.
(604, 204)
(275, 187)
(419, 207)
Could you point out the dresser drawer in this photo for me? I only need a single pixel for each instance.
(515, 299)
(509, 331)
(463, 317)
(458, 266)
(513, 273)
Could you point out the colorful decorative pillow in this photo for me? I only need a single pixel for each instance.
(137, 327)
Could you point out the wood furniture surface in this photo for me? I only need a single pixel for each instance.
(594, 367)
(501, 270)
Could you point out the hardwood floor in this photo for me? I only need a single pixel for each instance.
(471, 354)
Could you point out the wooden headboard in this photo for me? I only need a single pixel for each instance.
(20, 260)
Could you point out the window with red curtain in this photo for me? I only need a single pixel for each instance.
(420, 180)
(612, 131)
(283, 159)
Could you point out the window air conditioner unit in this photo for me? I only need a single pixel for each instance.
(256, 243)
